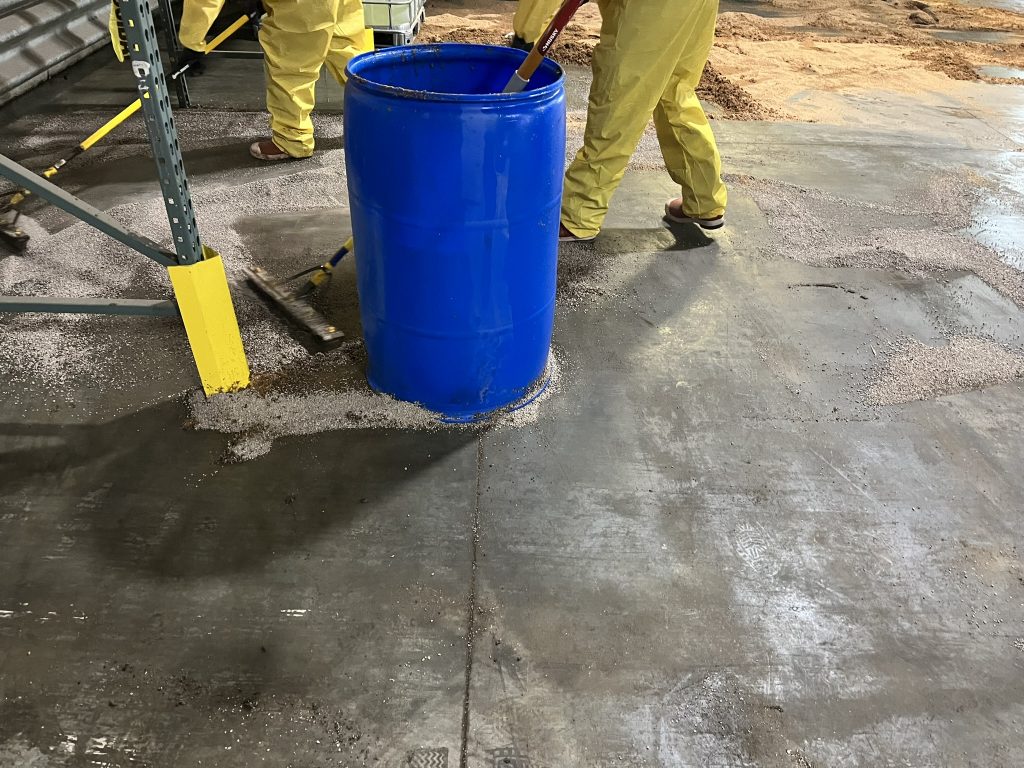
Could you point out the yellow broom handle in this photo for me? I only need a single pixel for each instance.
(135, 106)
(127, 112)
(226, 33)
(121, 116)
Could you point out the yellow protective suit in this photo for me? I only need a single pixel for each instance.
(299, 37)
(649, 61)
(197, 17)
(532, 18)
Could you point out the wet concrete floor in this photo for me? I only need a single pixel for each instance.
(707, 552)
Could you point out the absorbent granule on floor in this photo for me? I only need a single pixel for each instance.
(73, 260)
(922, 236)
(528, 413)
(256, 418)
(916, 371)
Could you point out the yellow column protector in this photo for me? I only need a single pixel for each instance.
(204, 301)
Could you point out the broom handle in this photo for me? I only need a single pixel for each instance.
(522, 76)
(97, 135)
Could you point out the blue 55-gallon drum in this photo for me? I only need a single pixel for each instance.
(455, 191)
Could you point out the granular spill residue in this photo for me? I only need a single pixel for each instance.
(716, 719)
(915, 371)
(529, 412)
(591, 273)
(76, 261)
(257, 418)
(922, 237)
(58, 354)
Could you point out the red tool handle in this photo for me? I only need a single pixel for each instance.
(522, 76)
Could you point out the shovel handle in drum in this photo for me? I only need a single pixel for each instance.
(522, 76)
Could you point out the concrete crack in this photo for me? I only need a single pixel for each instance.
(471, 621)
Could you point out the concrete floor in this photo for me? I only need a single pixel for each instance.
(707, 552)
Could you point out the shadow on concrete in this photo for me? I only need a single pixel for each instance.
(578, 262)
(154, 498)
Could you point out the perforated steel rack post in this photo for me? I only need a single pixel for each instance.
(197, 275)
(163, 139)
(174, 50)
(144, 51)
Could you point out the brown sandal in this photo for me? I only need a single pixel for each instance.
(268, 150)
(674, 213)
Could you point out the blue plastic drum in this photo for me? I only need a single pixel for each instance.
(455, 191)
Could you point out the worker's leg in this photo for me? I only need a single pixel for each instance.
(532, 18)
(296, 36)
(349, 40)
(687, 143)
(633, 64)
(197, 16)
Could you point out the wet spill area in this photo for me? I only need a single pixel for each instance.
(778, 489)
(977, 36)
(755, 7)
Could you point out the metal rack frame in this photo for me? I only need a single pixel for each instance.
(152, 85)
(382, 38)
(175, 49)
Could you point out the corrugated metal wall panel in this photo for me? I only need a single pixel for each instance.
(39, 38)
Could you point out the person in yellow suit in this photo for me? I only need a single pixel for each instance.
(531, 19)
(299, 37)
(648, 61)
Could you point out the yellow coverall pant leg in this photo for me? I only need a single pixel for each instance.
(349, 40)
(297, 37)
(532, 18)
(197, 17)
(648, 62)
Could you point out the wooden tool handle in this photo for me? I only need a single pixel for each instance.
(540, 49)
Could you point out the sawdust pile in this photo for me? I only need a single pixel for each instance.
(575, 47)
(916, 371)
(737, 103)
(817, 228)
(949, 61)
(745, 26)
(967, 16)
(863, 46)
